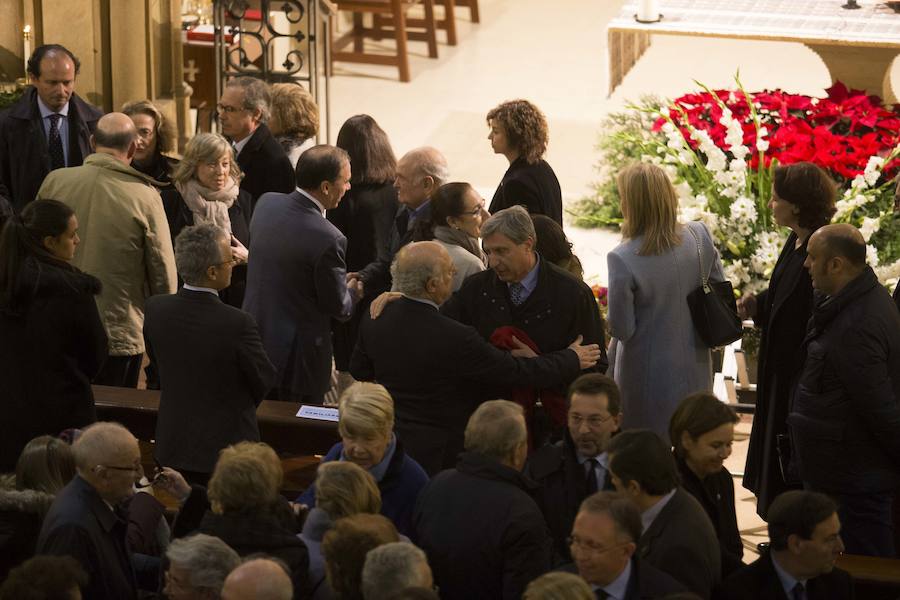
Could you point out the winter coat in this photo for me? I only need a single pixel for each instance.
(21, 515)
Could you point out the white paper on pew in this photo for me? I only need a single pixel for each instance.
(321, 413)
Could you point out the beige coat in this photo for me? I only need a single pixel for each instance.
(125, 242)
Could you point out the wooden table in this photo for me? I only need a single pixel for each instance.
(857, 46)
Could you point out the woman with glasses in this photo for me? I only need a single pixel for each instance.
(52, 342)
(207, 191)
(457, 213)
(156, 137)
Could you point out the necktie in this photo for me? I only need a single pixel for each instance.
(798, 592)
(517, 293)
(54, 143)
(592, 486)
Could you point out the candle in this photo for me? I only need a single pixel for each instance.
(26, 33)
(648, 10)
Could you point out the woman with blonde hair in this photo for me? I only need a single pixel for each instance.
(367, 434)
(657, 357)
(156, 137)
(294, 119)
(342, 489)
(558, 586)
(207, 190)
(519, 132)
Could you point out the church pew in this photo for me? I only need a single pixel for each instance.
(874, 578)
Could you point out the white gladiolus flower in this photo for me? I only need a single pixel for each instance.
(871, 255)
(869, 226)
(873, 170)
(762, 145)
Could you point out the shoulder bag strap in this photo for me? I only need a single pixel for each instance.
(703, 278)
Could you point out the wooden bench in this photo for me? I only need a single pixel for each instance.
(874, 578)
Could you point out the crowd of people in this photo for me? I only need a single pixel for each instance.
(498, 438)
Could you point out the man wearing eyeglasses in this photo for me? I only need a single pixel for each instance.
(85, 520)
(572, 469)
(243, 112)
(603, 544)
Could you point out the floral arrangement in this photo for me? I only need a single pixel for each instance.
(720, 147)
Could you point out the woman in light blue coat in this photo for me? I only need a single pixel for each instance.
(656, 356)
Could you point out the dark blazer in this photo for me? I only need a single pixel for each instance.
(213, 373)
(81, 525)
(265, 165)
(180, 216)
(782, 311)
(432, 366)
(760, 580)
(716, 495)
(21, 515)
(24, 156)
(682, 542)
(399, 487)
(645, 583)
(377, 274)
(897, 296)
(846, 411)
(533, 186)
(560, 308)
(562, 486)
(484, 536)
(296, 283)
(51, 347)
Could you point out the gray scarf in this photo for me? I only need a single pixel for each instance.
(458, 237)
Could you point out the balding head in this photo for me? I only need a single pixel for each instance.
(836, 255)
(258, 579)
(421, 270)
(116, 135)
(419, 174)
(108, 457)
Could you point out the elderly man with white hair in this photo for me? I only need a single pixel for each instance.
(198, 566)
(258, 579)
(392, 567)
(85, 521)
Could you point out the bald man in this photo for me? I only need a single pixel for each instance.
(48, 128)
(845, 420)
(258, 579)
(433, 365)
(125, 240)
(85, 520)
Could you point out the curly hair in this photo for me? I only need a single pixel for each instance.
(810, 189)
(525, 127)
(165, 129)
(294, 113)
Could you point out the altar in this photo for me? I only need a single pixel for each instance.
(857, 46)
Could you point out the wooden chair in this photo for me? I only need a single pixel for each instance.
(393, 11)
(448, 23)
(472, 5)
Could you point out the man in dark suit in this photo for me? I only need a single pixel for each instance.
(572, 469)
(482, 532)
(603, 543)
(845, 416)
(212, 366)
(805, 540)
(296, 279)
(48, 128)
(420, 172)
(678, 536)
(551, 306)
(432, 365)
(243, 112)
(85, 520)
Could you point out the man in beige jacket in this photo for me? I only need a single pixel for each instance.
(125, 240)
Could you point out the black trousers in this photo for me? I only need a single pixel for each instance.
(120, 371)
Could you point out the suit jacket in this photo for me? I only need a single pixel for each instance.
(265, 165)
(24, 156)
(760, 580)
(213, 373)
(682, 542)
(645, 583)
(533, 186)
(81, 525)
(376, 276)
(295, 286)
(432, 366)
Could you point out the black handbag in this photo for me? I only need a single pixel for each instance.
(713, 308)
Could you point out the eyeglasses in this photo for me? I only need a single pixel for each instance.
(224, 108)
(475, 211)
(594, 547)
(575, 421)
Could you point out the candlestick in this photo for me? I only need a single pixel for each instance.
(648, 11)
(26, 33)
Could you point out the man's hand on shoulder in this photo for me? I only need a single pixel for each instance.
(588, 355)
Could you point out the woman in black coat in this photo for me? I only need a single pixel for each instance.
(156, 136)
(702, 432)
(206, 190)
(803, 200)
(519, 132)
(52, 342)
(365, 215)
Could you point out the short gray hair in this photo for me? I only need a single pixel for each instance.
(495, 430)
(429, 162)
(98, 443)
(197, 249)
(513, 222)
(207, 559)
(392, 567)
(256, 95)
(412, 279)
